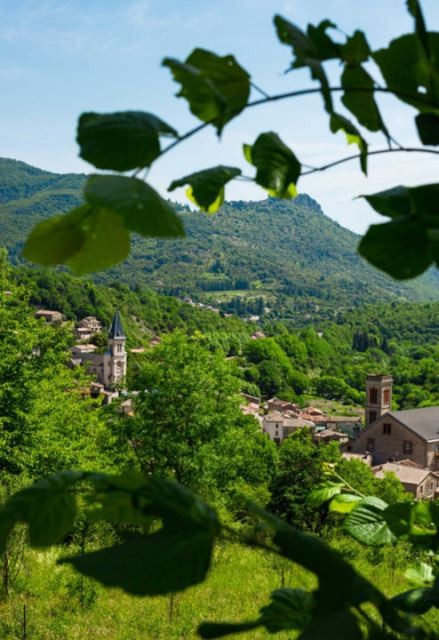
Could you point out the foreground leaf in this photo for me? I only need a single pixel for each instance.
(207, 187)
(164, 562)
(420, 574)
(401, 248)
(107, 242)
(409, 73)
(428, 128)
(344, 503)
(367, 524)
(353, 136)
(324, 492)
(48, 507)
(361, 103)
(288, 609)
(142, 209)
(277, 167)
(216, 88)
(121, 141)
(55, 240)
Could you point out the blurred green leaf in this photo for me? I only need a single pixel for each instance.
(361, 103)
(163, 562)
(121, 141)
(277, 168)
(308, 53)
(401, 248)
(366, 523)
(48, 507)
(415, 601)
(428, 128)
(409, 73)
(142, 209)
(107, 242)
(333, 624)
(288, 609)
(356, 49)
(207, 187)
(55, 240)
(216, 88)
(353, 136)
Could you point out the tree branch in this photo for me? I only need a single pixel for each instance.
(370, 153)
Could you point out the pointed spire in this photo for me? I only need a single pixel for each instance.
(116, 329)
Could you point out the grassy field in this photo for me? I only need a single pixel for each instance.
(60, 605)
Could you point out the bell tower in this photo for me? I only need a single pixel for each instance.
(378, 396)
(117, 361)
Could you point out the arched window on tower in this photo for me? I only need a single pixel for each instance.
(386, 396)
(373, 395)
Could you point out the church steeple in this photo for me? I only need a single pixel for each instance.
(116, 329)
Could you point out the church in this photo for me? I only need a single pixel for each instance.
(110, 368)
(392, 436)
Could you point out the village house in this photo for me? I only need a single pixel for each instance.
(110, 368)
(392, 436)
(279, 426)
(51, 317)
(88, 327)
(422, 483)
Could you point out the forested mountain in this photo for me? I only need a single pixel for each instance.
(284, 255)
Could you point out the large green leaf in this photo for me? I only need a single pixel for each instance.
(207, 187)
(107, 242)
(409, 72)
(278, 169)
(353, 136)
(48, 507)
(171, 559)
(361, 103)
(415, 10)
(366, 523)
(324, 492)
(216, 88)
(55, 240)
(288, 609)
(142, 209)
(163, 562)
(401, 248)
(344, 503)
(121, 141)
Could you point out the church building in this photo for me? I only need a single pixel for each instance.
(110, 368)
(393, 436)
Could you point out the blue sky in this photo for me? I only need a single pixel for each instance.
(59, 58)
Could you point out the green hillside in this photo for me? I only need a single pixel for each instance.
(284, 255)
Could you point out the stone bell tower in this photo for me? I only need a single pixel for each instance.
(378, 396)
(115, 360)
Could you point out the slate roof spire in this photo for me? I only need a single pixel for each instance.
(116, 329)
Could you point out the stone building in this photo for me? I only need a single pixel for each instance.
(110, 368)
(422, 483)
(392, 436)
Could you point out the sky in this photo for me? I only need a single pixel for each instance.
(59, 58)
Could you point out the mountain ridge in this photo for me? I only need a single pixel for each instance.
(287, 253)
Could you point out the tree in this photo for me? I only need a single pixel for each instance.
(218, 89)
(301, 464)
(188, 400)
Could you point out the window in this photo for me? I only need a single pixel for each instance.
(421, 489)
(386, 396)
(373, 396)
(407, 446)
(387, 429)
(372, 416)
(119, 348)
(371, 444)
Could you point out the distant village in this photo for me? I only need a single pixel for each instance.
(405, 443)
